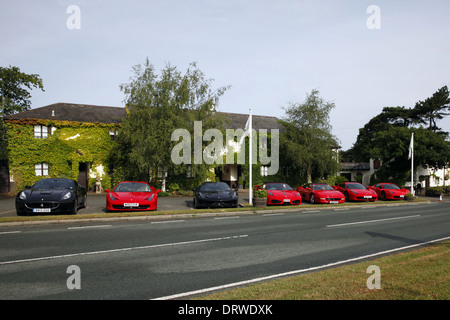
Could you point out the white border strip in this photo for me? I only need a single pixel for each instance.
(370, 221)
(123, 249)
(240, 283)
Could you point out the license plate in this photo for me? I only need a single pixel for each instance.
(42, 210)
(367, 197)
(334, 201)
(287, 200)
(131, 204)
(402, 196)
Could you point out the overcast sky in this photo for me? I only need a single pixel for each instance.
(270, 52)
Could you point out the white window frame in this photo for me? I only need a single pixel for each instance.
(41, 169)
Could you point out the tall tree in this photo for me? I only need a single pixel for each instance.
(15, 89)
(15, 96)
(387, 137)
(157, 105)
(308, 141)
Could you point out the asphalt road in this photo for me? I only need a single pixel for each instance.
(170, 259)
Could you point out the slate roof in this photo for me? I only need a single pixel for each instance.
(108, 115)
(73, 112)
(355, 166)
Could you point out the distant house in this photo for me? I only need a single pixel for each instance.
(359, 171)
(74, 140)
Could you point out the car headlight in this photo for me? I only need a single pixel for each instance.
(151, 197)
(298, 194)
(112, 197)
(270, 193)
(22, 196)
(66, 196)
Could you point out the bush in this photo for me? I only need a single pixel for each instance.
(261, 193)
(409, 196)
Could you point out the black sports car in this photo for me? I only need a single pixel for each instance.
(215, 194)
(51, 196)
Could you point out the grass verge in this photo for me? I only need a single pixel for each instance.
(422, 274)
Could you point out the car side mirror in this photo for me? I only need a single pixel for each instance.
(106, 190)
(158, 191)
(27, 187)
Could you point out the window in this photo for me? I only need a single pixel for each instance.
(190, 172)
(41, 169)
(113, 134)
(40, 132)
(264, 171)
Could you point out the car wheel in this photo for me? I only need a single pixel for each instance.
(312, 200)
(84, 202)
(383, 196)
(75, 207)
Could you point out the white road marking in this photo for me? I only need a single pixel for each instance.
(89, 227)
(295, 272)
(370, 221)
(168, 221)
(9, 232)
(123, 249)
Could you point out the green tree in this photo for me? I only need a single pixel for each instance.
(307, 142)
(15, 89)
(157, 105)
(387, 137)
(15, 96)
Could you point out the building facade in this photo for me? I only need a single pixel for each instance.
(74, 141)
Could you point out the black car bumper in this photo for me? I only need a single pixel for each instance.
(25, 208)
(216, 203)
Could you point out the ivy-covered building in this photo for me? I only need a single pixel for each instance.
(74, 141)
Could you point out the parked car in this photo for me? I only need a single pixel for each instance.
(389, 191)
(320, 193)
(279, 193)
(215, 195)
(132, 196)
(51, 196)
(354, 191)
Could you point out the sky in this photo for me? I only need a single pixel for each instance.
(361, 55)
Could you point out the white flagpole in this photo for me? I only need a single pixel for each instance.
(412, 163)
(250, 158)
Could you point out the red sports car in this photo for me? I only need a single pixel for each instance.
(132, 196)
(281, 194)
(389, 191)
(354, 191)
(320, 193)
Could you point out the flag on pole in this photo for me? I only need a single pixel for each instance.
(411, 147)
(246, 131)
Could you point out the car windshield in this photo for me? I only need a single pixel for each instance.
(214, 187)
(54, 184)
(390, 186)
(355, 186)
(132, 187)
(278, 186)
(321, 187)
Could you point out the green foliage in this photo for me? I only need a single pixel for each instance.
(159, 104)
(387, 137)
(71, 144)
(262, 193)
(307, 141)
(14, 89)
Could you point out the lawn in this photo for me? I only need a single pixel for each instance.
(422, 274)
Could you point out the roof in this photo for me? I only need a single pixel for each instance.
(103, 114)
(360, 166)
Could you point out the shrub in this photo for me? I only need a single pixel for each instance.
(261, 193)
